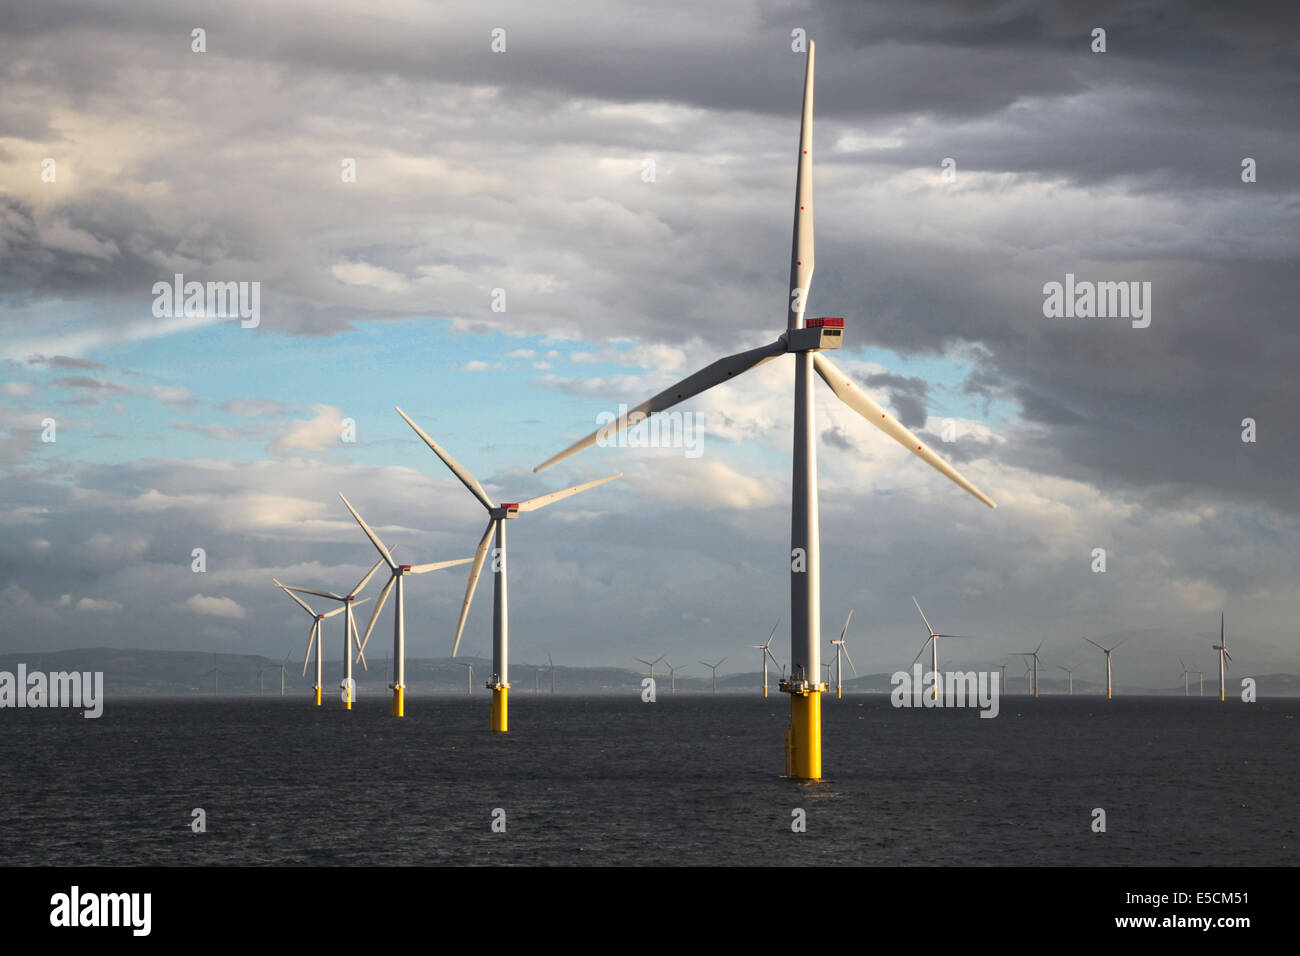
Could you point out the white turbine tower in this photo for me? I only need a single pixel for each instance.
(351, 640)
(673, 672)
(470, 665)
(1070, 671)
(399, 573)
(313, 638)
(1034, 654)
(767, 652)
(933, 641)
(1186, 675)
(1222, 648)
(1201, 675)
(842, 648)
(714, 668)
(1107, 651)
(497, 517)
(804, 339)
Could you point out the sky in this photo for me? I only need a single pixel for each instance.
(537, 233)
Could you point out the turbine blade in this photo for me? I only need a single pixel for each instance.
(374, 538)
(861, 403)
(922, 650)
(846, 625)
(301, 603)
(850, 659)
(720, 663)
(439, 565)
(475, 570)
(457, 469)
(801, 245)
(1094, 643)
(374, 615)
(773, 634)
(714, 374)
(356, 642)
(532, 504)
(311, 642)
(928, 629)
(366, 580)
(324, 594)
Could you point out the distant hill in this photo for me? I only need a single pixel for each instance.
(143, 673)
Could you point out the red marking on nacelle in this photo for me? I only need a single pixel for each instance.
(351, 597)
(826, 323)
(405, 567)
(513, 504)
(320, 617)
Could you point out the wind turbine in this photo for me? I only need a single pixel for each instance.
(1070, 671)
(766, 649)
(470, 665)
(650, 664)
(550, 665)
(804, 339)
(933, 641)
(1034, 655)
(1029, 686)
(841, 647)
(497, 517)
(216, 675)
(351, 640)
(1222, 648)
(314, 638)
(714, 668)
(1201, 675)
(1107, 651)
(399, 573)
(1186, 676)
(283, 669)
(673, 671)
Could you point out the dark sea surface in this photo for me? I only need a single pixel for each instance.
(686, 780)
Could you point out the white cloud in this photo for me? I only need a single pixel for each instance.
(213, 606)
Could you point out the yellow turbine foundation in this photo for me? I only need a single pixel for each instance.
(803, 741)
(317, 696)
(399, 701)
(500, 697)
(347, 699)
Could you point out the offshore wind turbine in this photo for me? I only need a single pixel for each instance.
(314, 638)
(1186, 676)
(1070, 671)
(767, 652)
(1201, 674)
(842, 648)
(650, 664)
(550, 665)
(1107, 651)
(714, 668)
(1029, 686)
(673, 672)
(498, 514)
(933, 642)
(470, 665)
(351, 641)
(1034, 655)
(216, 675)
(1222, 648)
(804, 339)
(398, 577)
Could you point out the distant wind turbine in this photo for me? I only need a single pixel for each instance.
(216, 675)
(714, 668)
(470, 665)
(1107, 651)
(673, 671)
(932, 639)
(842, 648)
(314, 638)
(398, 577)
(1070, 671)
(1034, 655)
(650, 664)
(766, 649)
(351, 640)
(1186, 676)
(1222, 648)
(498, 515)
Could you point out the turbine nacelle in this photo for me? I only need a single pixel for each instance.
(504, 511)
(816, 335)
